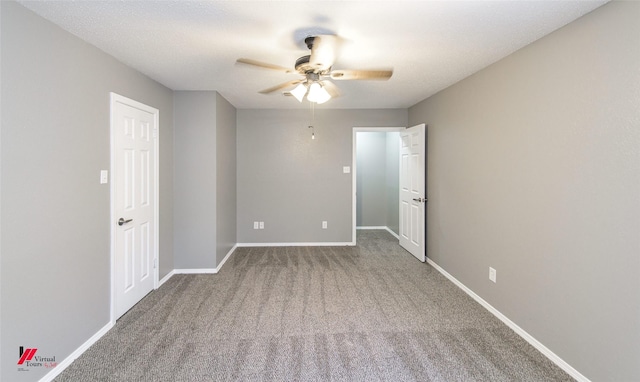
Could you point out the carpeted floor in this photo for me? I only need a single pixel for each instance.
(366, 313)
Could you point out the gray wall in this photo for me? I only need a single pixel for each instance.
(378, 182)
(55, 140)
(195, 179)
(205, 176)
(534, 169)
(226, 179)
(371, 179)
(292, 182)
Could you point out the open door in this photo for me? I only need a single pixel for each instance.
(412, 190)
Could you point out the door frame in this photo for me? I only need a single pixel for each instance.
(113, 99)
(354, 170)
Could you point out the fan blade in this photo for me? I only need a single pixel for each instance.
(248, 61)
(361, 74)
(323, 52)
(331, 88)
(281, 86)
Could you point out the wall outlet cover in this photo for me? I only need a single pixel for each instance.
(104, 176)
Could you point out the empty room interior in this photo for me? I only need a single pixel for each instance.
(320, 190)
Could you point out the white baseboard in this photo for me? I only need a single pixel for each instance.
(77, 353)
(393, 233)
(226, 257)
(189, 271)
(323, 244)
(521, 332)
(199, 270)
(166, 278)
(381, 227)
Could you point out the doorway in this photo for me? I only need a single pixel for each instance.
(375, 179)
(389, 177)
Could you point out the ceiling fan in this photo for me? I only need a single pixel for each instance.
(317, 69)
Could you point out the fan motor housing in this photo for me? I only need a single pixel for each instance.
(303, 66)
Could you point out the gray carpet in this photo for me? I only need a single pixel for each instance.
(366, 313)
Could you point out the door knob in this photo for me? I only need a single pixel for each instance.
(420, 200)
(121, 221)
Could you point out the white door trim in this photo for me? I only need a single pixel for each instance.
(114, 98)
(354, 158)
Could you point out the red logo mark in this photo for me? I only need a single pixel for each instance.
(27, 355)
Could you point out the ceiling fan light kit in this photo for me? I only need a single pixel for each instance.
(314, 92)
(317, 93)
(317, 70)
(299, 92)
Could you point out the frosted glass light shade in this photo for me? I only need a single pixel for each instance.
(317, 93)
(299, 92)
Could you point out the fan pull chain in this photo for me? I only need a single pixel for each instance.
(313, 120)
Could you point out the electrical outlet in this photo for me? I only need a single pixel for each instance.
(324, 225)
(256, 225)
(261, 225)
(492, 274)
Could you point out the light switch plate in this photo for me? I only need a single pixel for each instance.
(346, 169)
(104, 176)
(492, 274)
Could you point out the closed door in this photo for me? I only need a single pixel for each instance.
(134, 139)
(412, 190)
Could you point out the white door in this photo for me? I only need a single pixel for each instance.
(134, 137)
(412, 190)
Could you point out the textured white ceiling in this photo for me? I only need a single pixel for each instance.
(193, 45)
